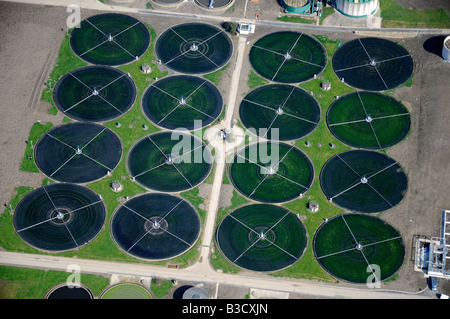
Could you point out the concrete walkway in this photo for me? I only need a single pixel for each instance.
(220, 158)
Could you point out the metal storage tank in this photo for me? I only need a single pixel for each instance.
(196, 293)
(356, 8)
(296, 6)
(446, 49)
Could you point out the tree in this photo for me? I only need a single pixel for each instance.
(230, 27)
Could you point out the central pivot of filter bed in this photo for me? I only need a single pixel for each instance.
(262, 236)
(364, 180)
(156, 224)
(287, 56)
(194, 47)
(59, 215)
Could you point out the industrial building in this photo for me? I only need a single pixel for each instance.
(432, 253)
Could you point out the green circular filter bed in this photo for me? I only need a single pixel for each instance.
(126, 291)
(288, 57)
(182, 101)
(373, 64)
(359, 248)
(194, 48)
(110, 39)
(363, 181)
(169, 161)
(94, 93)
(279, 112)
(368, 120)
(271, 172)
(262, 237)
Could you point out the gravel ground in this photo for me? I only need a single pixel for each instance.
(30, 38)
(424, 154)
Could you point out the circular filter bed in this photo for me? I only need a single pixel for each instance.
(94, 93)
(359, 248)
(78, 152)
(262, 237)
(126, 291)
(194, 48)
(64, 291)
(271, 172)
(110, 39)
(288, 57)
(155, 226)
(372, 64)
(169, 161)
(59, 217)
(368, 120)
(363, 181)
(280, 112)
(188, 102)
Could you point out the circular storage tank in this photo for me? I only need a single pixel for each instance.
(63, 291)
(446, 49)
(356, 8)
(296, 6)
(215, 5)
(196, 293)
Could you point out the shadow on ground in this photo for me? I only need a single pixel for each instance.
(434, 44)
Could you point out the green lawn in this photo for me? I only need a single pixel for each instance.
(216, 77)
(296, 19)
(255, 80)
(37, 130)
(397, 16)
(24, 283)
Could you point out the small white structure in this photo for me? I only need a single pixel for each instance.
(356, 8)
(146, 69)
(246, 28)
(326, 85)
(116, 186)
(446, 49)
(313, 206)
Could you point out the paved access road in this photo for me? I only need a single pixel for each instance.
(192, 274)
